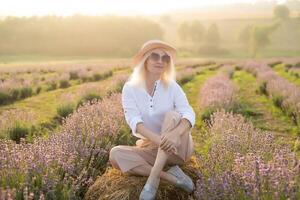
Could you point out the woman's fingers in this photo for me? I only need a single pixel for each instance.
(165, 145)
(175, 151)
(170, 147)
(163, 141)
(171, 150)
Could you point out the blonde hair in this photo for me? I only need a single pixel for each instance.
(138, 76)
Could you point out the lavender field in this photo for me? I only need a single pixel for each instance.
(58, 123)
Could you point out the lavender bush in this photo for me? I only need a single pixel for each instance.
(64, 164)
(277, 178)
(216, 93)
(242, 162)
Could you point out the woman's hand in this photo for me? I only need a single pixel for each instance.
(169, 143)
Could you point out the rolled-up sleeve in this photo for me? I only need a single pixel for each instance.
(182, 105)
(132, 114)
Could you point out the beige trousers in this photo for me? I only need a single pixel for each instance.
(124, 157)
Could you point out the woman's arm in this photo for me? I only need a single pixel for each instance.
(155, 138)
(183, 107)
(183, 126)
(132, 114)
(142, 130)
(187, 120)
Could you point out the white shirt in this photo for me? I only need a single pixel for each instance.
(139, 106)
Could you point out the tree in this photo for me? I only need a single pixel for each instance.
(213, 36)
(191, 31)
(107, 36)
(165, 19)
(281, 12)
(256, 37)
(197, 31)
(245, 35)
(184, 31)
(260, 37)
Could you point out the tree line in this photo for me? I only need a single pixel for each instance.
(252, 37)
(76, 35)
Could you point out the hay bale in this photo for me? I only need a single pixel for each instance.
(113, 185)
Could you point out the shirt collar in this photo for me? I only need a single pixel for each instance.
(157, 81)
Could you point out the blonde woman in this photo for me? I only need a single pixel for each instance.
(158, 112)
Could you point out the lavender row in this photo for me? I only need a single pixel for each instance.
(245, 163)
(17, 88)
(187, 73)
(283, 93)
(218, 91)
(26, 124)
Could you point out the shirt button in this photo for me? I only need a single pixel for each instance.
(150, 99)
(151, 106)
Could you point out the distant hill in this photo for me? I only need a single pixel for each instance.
(233, 18)
(261, 9)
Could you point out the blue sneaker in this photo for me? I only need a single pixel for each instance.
(148, 192)
(183, 181)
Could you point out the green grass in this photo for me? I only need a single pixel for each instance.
(65, 109)
(18, 131)
(26, 92)
(192, 90)
(272, 118)
(281, 70)
(255, 107)
(45, 105)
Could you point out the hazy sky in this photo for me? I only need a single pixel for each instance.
(101, 7)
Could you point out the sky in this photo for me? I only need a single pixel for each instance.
(103, 7)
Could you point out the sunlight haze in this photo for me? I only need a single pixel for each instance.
(101, 7)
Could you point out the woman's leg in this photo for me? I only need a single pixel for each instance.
(145, 170)
(171, 120)
(156, 170)
(136, 161)
(140, 160)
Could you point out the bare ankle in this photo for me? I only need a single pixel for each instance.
(154, 181)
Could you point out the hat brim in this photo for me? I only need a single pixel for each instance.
(137, 57)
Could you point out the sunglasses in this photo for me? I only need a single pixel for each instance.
(156, 57)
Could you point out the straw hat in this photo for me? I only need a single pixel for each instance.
(153, 44)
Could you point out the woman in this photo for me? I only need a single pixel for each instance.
(158, 112)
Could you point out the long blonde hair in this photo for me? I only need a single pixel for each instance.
(138, 76)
